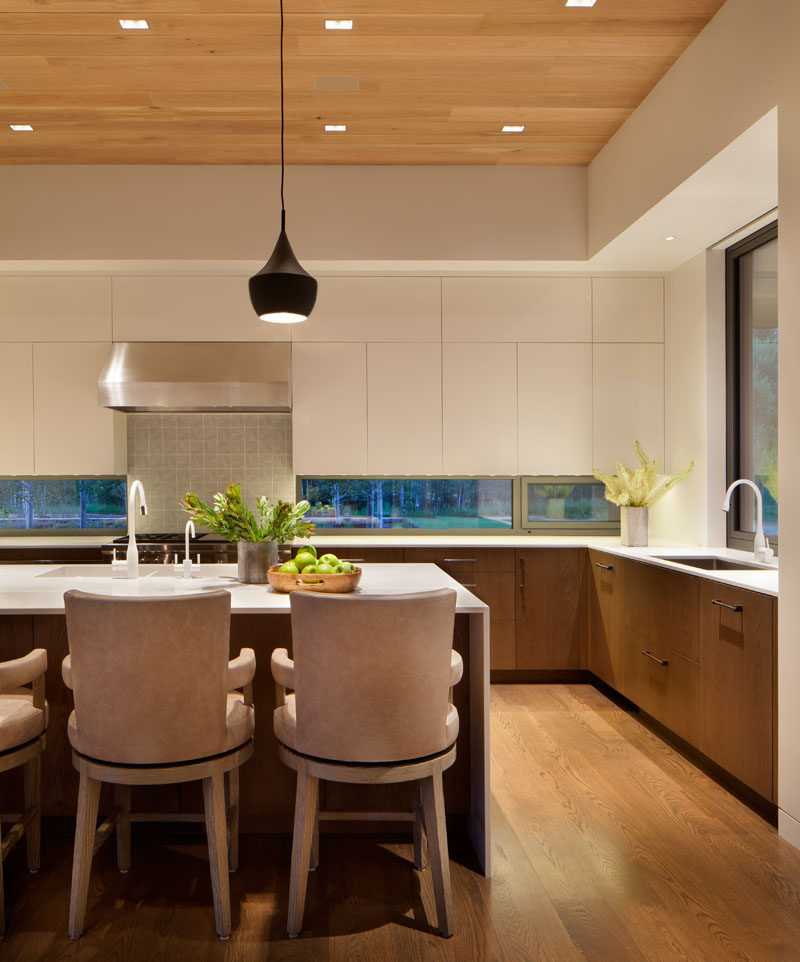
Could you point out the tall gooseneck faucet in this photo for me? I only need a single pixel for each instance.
(187, 561)
(761, 549)
(133, 551)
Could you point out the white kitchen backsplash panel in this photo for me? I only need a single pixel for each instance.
(175, 453)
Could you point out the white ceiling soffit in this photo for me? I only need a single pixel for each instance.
(735, 187)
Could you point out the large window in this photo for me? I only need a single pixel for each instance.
(431, 504)
(567, 505)
(66, 504)
(752, 361)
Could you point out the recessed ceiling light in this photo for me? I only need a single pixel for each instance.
(669, 237)
(338, 24)
(335, 128)
(513, 128)
(581, 3)
(134, 24)
(20, 126)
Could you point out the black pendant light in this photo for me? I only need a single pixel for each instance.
(282, 292)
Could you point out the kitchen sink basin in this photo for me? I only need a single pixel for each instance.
(78, 571)
(717, 564)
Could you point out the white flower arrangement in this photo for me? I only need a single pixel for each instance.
(640, 488)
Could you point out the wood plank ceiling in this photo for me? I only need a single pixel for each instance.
(436, 82)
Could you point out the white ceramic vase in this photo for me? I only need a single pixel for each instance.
(633, 527)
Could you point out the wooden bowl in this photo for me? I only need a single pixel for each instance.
(284, 582)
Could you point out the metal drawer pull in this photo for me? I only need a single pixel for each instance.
(659, 661)
(468, 586)
(448, 561)
(607, 567)
(723, 605)
(359, 561)
(522, 582)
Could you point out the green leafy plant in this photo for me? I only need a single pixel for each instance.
(230, 517)
(640, 488)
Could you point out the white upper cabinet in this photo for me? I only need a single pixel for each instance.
(374, 309)
(16, 409)
(189, 308)
(404, 409)
(516, 309)
(628, 308)
(479, 416)
(73, 434)
(55, 308)
(555, 408)
(628, 403)
(329, 408)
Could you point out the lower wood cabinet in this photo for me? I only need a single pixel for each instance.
(737, 705)
(606, 617)
(549, 608)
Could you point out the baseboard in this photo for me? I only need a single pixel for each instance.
(525, 676)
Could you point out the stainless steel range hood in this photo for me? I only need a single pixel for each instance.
(197, 376)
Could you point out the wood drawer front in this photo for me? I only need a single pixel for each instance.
(503, 645)
(457, 561)
(737, 671)
(605, 617)
(664, 608)
(669, 692)
(367, 555)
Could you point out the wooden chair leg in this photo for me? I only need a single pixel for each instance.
(122, 799)
(33, 799)
(433, 804)
(216, 830)
(305, 806)
(419, 828)
(233, 824)
(313, 861)
(85, 830)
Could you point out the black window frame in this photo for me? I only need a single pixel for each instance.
(736, 537)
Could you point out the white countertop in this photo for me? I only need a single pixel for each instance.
(39, 589)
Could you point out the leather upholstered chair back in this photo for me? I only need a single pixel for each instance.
(149, 676)
(372, 674)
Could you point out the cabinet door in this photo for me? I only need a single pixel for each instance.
(72, 433)
(548, 608)
(737, 671)
(606, 618)
(16, 405)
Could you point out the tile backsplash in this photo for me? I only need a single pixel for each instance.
(175, 453)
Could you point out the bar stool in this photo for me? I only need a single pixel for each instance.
(23, 720)
(154, 705)
(372, 678)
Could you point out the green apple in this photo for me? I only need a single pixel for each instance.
(325, 569)
(329, 559)
(303, 558)
(346, 567)
(310, 569)
(310, 548)
(289, 568)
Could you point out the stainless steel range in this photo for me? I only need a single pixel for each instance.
(161, 548)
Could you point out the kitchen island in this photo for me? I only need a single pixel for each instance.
(32, 615)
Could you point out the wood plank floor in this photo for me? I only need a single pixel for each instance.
(608, 847)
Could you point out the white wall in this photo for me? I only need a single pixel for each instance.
(341, 213)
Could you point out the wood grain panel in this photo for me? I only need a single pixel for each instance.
(459, 562)
(548, 608)
(606, 618)
(68, 65)
(503, 635)
(663, 607)
(738, 696)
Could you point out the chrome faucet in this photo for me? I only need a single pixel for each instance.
(133, 551)
(187, 561)
(761, 549)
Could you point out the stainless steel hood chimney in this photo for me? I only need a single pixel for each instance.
(197, 376)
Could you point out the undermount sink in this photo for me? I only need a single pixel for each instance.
(717, 564)
(78, 571)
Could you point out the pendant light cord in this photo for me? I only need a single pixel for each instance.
(283, 207)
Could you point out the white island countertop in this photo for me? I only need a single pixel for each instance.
(39, 589)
